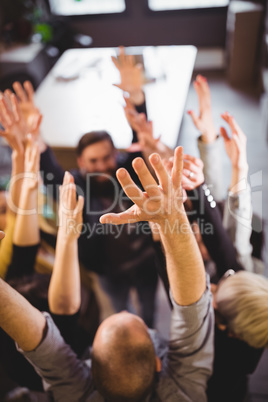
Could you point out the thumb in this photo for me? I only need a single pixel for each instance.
(224, 134)
(195, 119)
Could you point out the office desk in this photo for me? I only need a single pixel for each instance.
(88, 101)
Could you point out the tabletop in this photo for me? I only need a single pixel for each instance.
(78, 95)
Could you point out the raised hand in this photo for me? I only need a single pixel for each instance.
(147, 143)
(31, 162)
(192, 174)
(29, 111)
(236, 145)
(203, 122)
(15, 128)
(159, 202)
(131, 74)
(70, 210)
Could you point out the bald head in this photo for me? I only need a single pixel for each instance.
(123, 361)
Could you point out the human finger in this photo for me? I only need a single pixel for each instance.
(5, 115)
(128, 216)
(20, 91)
(195, 160)
(194, 117)
(7, 95)
(121, 56)
(15, 108)
(168, 165)
(130, 188)
(176, 173)
(29, 90)
(146, 179)
(79, 205)
(2, 115)
(224, 134)
(236, 128)
(186, 183)
(199, 91)
(188, 164)
(37, 122)
(160, 171)
(2, 234)
(203, 84)
(237, 141)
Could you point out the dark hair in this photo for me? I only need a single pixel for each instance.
(127, 372)
(92, 138)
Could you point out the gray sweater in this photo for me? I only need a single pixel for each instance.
(186, 359)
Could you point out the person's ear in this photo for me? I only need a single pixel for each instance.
(158, 364)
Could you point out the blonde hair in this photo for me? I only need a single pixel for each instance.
(242, 300)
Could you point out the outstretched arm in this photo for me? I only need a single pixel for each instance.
(163, 205)
(204, 122)
(236, 149)
(30, 112)
(19, 319)
(64, 295)
(26, 231)
(238, 209)
(131, 75)
(209, 144)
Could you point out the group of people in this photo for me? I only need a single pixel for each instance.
(165, 206)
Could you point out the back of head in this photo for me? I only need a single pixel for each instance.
(92, 138)
(125, 371)
(242, 300)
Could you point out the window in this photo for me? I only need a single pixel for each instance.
(84, 7)
(163, 5)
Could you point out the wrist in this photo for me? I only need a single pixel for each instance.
(240, 171)
(30, 183)
(68, 235)
(239, 179)
(137, 97)
(209, 137)
(17, 162)
(174, 222)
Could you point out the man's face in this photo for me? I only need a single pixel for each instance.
(98, 158)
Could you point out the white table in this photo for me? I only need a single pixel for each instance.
(89, 101)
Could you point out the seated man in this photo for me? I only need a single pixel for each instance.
(126, 355)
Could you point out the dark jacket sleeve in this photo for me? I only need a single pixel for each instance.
(23, 261)
(214, 235)
(140, 109)
(52, 173)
